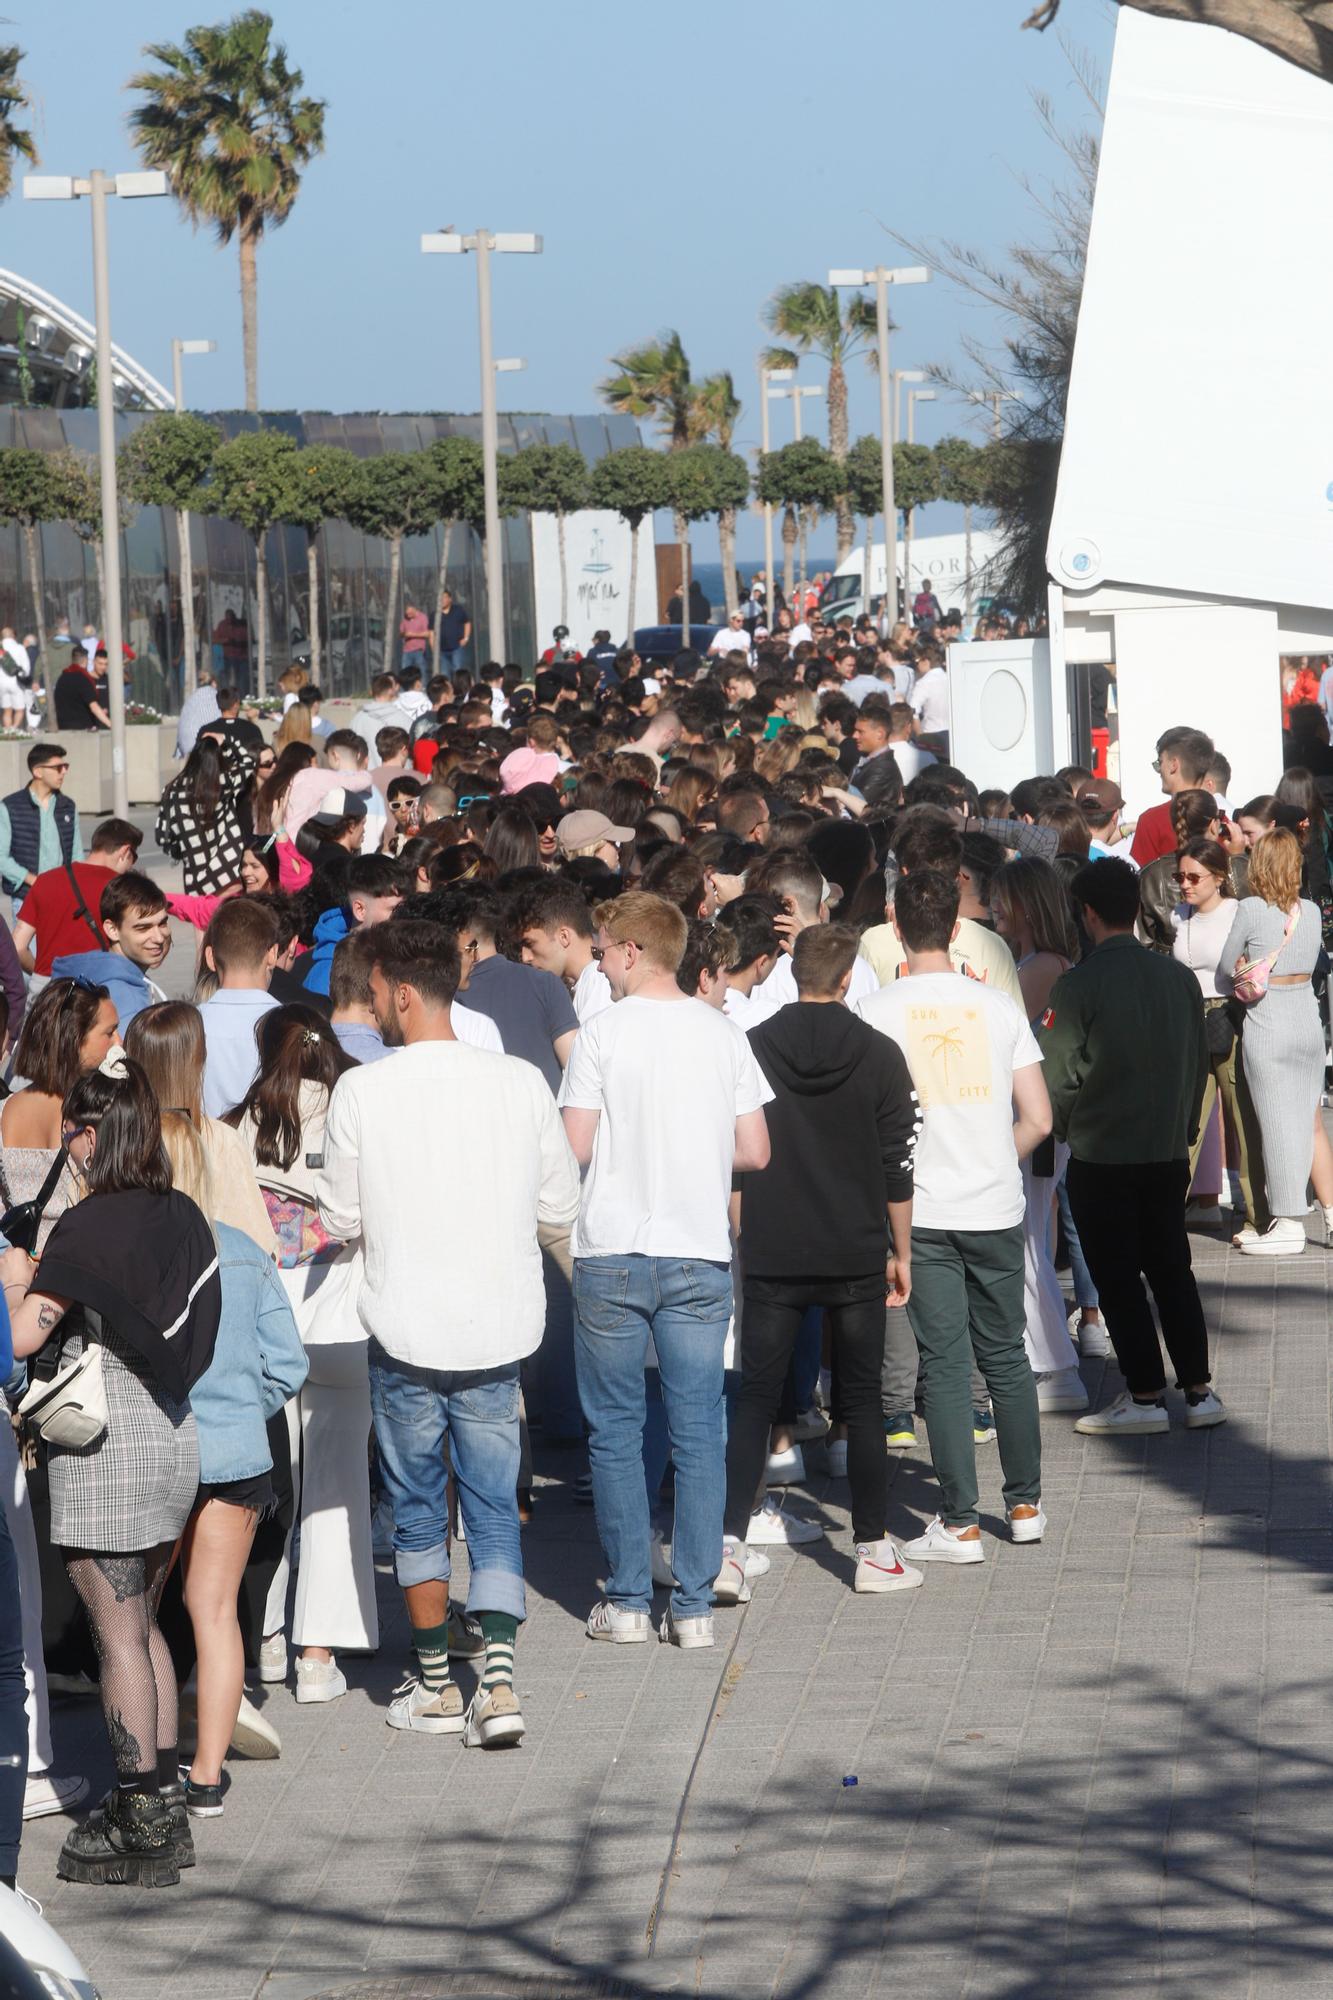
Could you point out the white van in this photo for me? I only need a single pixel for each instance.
(939, 561)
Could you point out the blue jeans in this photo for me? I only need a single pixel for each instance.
(415, 1411)
(452, 661)
(618, 1303)
(1085, 1292)
(13, 1695)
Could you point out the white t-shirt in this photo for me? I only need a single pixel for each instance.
(592, 993)
(780, 988)
(962, 1042)
(930, 701)
(670, 1079)
(477, 1030)
(910, 758)
(727, 641)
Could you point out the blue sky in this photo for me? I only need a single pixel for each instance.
(679, 164)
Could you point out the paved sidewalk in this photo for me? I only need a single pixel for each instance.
(1099, 1764)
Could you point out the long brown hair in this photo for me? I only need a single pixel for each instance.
(293, 757)
(123, 1112)
(167, 1041)
(296, 1046)
(201, 780)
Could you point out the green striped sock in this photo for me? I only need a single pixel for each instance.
(499, 1631)
(432, 1649)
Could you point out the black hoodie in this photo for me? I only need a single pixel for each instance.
(843, 1125)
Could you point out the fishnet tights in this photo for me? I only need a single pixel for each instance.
(120, 1594)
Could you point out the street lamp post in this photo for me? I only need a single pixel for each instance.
(484, 242)
(64, 187)
(796, 392)
(881, 279)
(914, 396)
(901, 375)
(189, 657)
(767, 375)
(996, 398)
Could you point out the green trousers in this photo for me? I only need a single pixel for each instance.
(967, 1299)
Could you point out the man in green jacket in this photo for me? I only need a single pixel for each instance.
(1126, 1063)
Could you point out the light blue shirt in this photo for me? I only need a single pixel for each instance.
(231, 1061)
(48, 846)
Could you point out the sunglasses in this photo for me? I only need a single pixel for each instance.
(599, 951)
(1185, 879)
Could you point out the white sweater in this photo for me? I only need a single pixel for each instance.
(447, 1206)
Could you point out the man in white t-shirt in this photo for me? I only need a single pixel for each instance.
(926, 837)
(929, 700)
(662, 1102)
(976, 1068)
(909, 756)
(731, 638)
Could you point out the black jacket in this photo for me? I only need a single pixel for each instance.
(843, 1125)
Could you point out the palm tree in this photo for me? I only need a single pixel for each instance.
(224, 116)
(813, 319)
(654, 381)
(13, 98)
(715, 414)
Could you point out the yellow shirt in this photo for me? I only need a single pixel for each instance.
(975, 952)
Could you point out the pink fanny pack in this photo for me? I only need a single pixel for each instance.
(1250, 981)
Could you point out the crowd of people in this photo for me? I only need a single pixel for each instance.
(656, 1075)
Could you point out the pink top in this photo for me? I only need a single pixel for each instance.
(294, 871)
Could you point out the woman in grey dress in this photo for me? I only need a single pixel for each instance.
(140, 1263)
(1282, 1043)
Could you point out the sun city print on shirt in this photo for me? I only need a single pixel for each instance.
(949, 1054)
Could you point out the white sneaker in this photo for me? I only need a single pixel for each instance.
(1061, 1389)
(880, 1568)
(685, 1632)
(622, 1628)
(254, 1735)
(785, 1468)
(1327, 1214)
(1125, 1418)
(837, 1458)
(319, 1680)
(810, 1426)
(756, 1563)
(1026, 1527)
(945, 1545)
(1209, 1410)
(1094, 1342)
(45, 1793)
(1247, 1233)
(1283, 1238)
(774, 1527)
(273, 1658)
(428, 1711)
(660, 1562)
(493, 1720)
(730, 1585)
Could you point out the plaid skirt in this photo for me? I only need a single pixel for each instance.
(136, 1486)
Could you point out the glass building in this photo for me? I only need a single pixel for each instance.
(353, 568)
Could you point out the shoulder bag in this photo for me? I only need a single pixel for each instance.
(1250, 980)
(70, 1409)
(99, 942)
(20, 1225)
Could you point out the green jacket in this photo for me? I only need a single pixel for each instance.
(1125, 1054)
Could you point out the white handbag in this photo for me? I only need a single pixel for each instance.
(70, 1409)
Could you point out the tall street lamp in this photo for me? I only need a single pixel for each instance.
(189, 660)
(64, 187)
(796, 392)
(881, 279)
(901, 375)
(996, 398)
(915, 396)
(767, 375)
(484, 242)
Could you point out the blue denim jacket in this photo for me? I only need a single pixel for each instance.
(257, 1365)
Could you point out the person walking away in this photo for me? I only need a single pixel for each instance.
(977, 1073)
(444, 1362)
(282, 1121)
(1126, 1064)
(39, 826)
(1275, 933)
(198, 819)
(662, 1102)
(140, 1261)
(828, 1223)
(137, 928)
(241, 947)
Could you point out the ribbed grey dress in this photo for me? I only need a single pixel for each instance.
(1282, 1047)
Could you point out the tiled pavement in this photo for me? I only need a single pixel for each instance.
(1100, 1764)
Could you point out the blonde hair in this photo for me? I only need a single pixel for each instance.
(167, 1041)
(657, 927)
(1036, 891)
(293, 680)
(294, 728)
(1275, 868)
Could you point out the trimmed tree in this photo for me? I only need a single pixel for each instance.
(29, 495)
(864, 473)
(164, 464)
(321, 479)
(965, 478)
(76, 499)
(392, 496)
(251, 484)
(802, 474)
(701, 480)
(916, 480)
(631, 482)
(547, 479)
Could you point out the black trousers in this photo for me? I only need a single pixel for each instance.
(772, 1316)
(1131, 1223)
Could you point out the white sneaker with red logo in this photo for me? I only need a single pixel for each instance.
(880, 1567)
